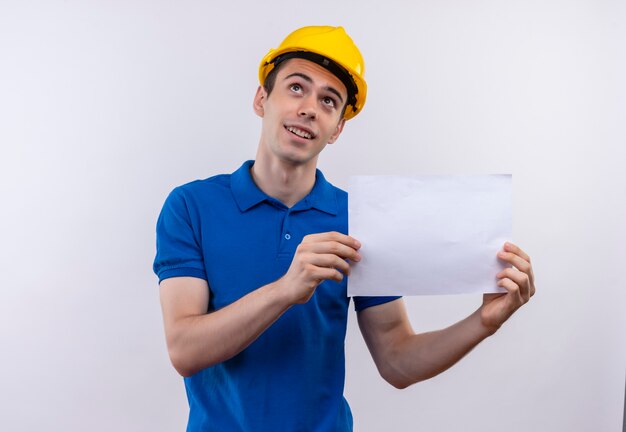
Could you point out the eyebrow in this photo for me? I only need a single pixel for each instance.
(308, 79)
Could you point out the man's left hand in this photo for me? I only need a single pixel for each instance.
(519, 283)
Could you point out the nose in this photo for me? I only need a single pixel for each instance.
(307, 108)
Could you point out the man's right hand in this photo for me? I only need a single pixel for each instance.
(319, 257)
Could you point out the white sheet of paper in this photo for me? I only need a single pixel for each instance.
(432, 234)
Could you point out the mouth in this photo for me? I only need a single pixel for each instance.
(301, 132)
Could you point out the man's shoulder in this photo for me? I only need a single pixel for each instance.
(198, 193)
(211, 184)
(215, 180)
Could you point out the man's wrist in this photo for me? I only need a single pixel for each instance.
(279, 295)
(489, 329)
(483, 329)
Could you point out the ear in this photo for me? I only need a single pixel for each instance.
(259, 101)
(334, 136)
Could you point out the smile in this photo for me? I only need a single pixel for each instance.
(299, 132)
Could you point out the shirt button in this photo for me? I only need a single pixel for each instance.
(287, 236)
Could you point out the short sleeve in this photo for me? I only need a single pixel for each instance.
(361, 303)
(178, 247)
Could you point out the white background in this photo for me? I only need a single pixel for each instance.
(106, 106)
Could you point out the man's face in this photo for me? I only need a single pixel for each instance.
(302, 114)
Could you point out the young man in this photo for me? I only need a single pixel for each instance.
(252, 266)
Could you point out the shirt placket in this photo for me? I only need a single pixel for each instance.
(286, 247)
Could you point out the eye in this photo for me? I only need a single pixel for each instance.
(296, 88)
(327, 100)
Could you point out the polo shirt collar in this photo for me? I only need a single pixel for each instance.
(247, 194)
(323, 196)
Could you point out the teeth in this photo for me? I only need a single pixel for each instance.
(299, 132)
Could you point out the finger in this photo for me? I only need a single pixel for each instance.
(336, 248)
(344, 239)
(333, 236)
(513, 274)
(329, 261)
(519, 263)
(511, 287)
(520, 279)
(515, 260)
(510, 247)
(325, 273)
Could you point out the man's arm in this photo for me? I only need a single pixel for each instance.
(197, 339)
(404, 358)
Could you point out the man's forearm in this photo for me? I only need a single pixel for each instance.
(197, 342)
(418, 357)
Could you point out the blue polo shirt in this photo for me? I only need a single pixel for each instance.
(225, 230)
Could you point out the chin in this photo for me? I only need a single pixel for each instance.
(294, 153)
(298, 158)
(295, 160)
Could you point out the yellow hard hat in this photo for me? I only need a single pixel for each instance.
(320, 44)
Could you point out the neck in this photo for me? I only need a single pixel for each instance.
(286, 182)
